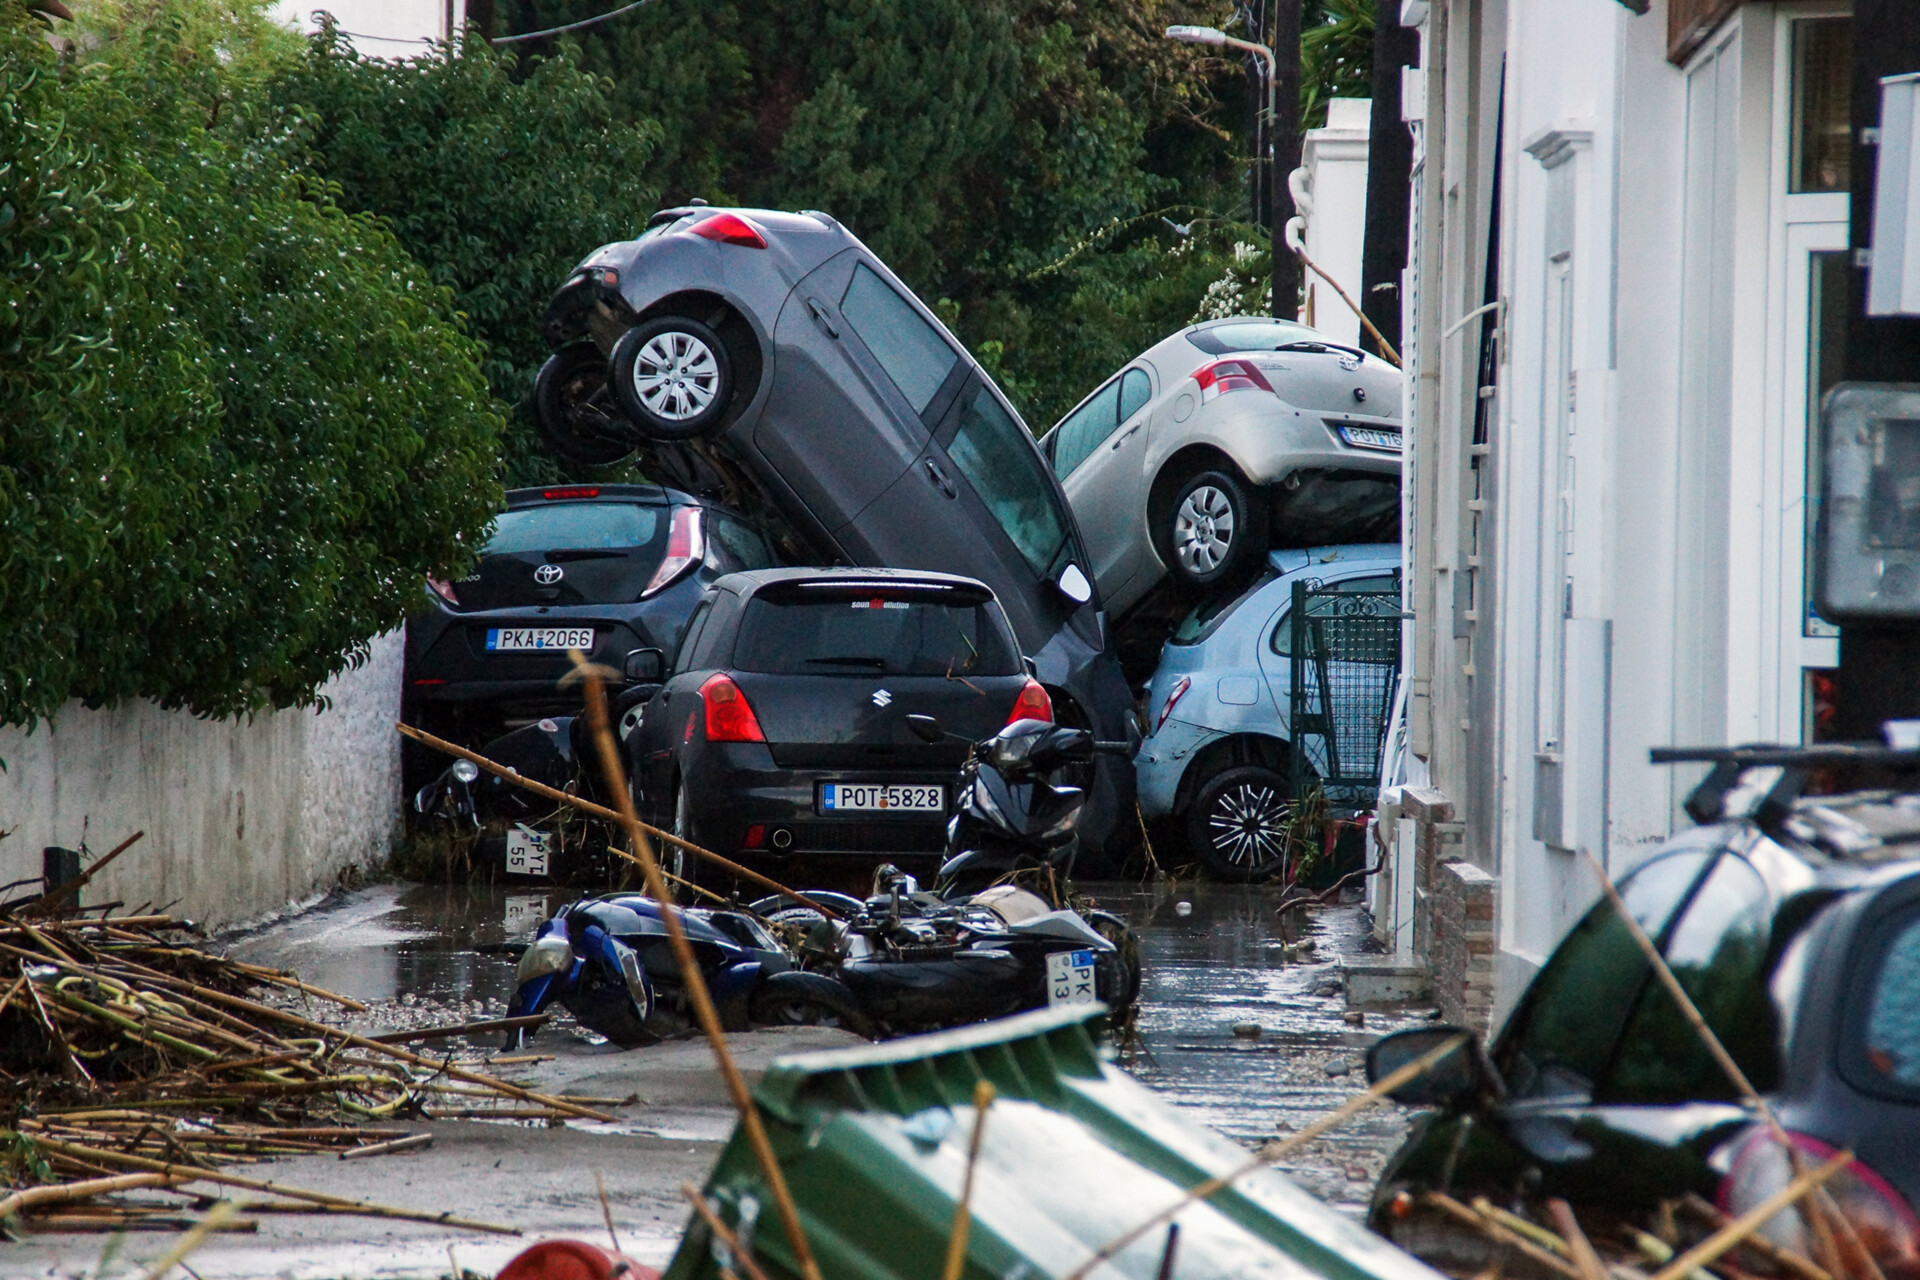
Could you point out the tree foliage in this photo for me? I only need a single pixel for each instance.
(239, 423)
(497, 184)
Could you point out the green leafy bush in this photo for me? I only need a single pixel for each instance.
(496, 186)
(239, 426)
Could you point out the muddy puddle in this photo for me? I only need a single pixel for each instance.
(428, 953)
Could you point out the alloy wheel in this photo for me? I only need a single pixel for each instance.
(1203, 530)
(676, 375)
(1247, 825)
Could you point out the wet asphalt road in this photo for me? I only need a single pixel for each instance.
(411, 950)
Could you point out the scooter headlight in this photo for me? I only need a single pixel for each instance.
(465, 771)
(550, 953)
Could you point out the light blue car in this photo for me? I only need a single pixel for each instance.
(1217, 755)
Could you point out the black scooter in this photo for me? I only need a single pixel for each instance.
(996, 936)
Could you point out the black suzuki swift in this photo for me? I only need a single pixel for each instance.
(783, 728)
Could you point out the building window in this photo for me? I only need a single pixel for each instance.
(1829, 287)
(1822, 140)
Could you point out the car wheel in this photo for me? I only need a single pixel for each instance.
(1238, 823)
(676, 859)
(798, 999)
(573, 413)
(672, 376)
(1213, 531)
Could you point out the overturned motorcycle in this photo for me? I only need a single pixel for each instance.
(609, 962)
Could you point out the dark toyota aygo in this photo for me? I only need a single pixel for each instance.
(1794, 925)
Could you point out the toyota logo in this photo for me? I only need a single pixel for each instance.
(548, 574)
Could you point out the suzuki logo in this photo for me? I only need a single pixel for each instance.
(548, 574)
(1349, 362)
(881, 697)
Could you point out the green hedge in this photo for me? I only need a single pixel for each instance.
(239, 425)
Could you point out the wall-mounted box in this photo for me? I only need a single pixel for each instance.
(1893, 272)
(1868, 549)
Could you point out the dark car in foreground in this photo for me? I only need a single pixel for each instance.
(782, 730)
(606, 569)
(772, 358)
(1796, 931)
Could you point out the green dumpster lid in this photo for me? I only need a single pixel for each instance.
(873, 1143)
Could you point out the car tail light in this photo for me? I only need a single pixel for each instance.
(686, 547)
(1032, 704)
(445, 591)
(1173, 700)
(559, 495)
(1878, 1217)
(755, 837)
(729, 717)
(1222, 376)
(731, 228)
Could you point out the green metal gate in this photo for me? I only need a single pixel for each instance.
(1346, 664)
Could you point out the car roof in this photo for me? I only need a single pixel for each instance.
(753, 581)
(1353, 555)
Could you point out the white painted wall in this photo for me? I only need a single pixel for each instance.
(242, 817)
(381, 28)
(1335, 158)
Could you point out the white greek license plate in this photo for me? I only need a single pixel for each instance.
(525, 912)
(527, 851)
(517, 639)
(1371, 438)
(1070, 977)
(880, 797)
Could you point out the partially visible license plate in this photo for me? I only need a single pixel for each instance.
(1070, 977)
(513, 639)
(1371, 438)
(880, 797)
(527, 851)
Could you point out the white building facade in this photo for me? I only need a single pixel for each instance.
(1626, 294)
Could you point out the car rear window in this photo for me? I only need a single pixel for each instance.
(1251, 335)
(868, 633)
(1281, 641)
(1889, 1041)
(912, 351)
(573, 526)
(997, 457)
(1205, 618)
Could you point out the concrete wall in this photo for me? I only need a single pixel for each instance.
(242, 817)
(1335, 158)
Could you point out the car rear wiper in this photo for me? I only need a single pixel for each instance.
(590, 553)
(1320, 348)
(851, 660)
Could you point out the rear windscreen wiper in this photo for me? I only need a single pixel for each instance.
(851, 660)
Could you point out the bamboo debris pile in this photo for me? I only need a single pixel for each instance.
(133, 1060)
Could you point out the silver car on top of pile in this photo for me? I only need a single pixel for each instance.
(1224, 439)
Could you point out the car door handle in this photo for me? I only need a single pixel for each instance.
(1124, 434)
(939, 478)
(821, 318)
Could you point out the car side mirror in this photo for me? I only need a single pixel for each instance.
(925, 728)
(1456, 1078)
(643, 666)
(1073, 584)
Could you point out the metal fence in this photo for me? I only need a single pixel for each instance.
(1346, 664)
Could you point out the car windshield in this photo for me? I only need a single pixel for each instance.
(1205, 618)
(998, 459)
(866, 633)
(1596, 1024)
(1252, 335)
(573, 526)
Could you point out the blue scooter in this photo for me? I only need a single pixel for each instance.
(609, 961)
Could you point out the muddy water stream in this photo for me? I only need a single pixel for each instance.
(420, 955)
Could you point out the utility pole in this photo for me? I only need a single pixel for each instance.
(1284, 99)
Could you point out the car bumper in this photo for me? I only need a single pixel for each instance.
(1162, 761)
(734, 788)
(1269, 445)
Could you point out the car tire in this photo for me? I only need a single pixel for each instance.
(1213, 530)
(690, 867)
(1237, 823)
(572, 412)
(672, 377)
